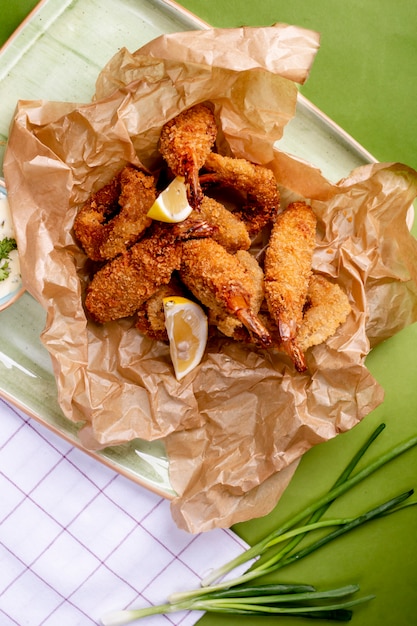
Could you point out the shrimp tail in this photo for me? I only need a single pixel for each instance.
(241, 308)
(295, 353)
(194, 188)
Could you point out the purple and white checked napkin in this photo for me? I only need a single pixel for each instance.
(78, 540)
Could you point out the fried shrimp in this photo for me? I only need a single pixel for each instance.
(287, 267)
(257, 184)
(120, 287)
(231, 232)
(115, 216)
(185, 143)
(256, 275)
(223, 284)
(229, 325)
(327, 308)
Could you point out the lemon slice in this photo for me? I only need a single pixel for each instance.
(187, 329)
(172, 203)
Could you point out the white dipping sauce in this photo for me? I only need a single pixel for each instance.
(14, 281)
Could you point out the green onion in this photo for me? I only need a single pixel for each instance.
(260, 590)
(257, 605)
(342, 485)
(306, 604)
(277, 562)
(236, 596)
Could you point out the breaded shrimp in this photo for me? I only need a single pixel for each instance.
(287, 267)
(222, 284)
(185, 143)
(120, 287)
(231, 326)
(231, 232)
(115, 216)
(257, 184)
(328, 307)
(256, 274)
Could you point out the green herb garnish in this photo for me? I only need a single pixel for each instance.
(240, 596)
(6, 246)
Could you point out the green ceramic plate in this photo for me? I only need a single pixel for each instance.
(83, 35)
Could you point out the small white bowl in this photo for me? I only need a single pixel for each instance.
(15, 288)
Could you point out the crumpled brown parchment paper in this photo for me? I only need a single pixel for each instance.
(236, 427)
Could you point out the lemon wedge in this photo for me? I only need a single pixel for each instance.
(187, 329)
(171, 205)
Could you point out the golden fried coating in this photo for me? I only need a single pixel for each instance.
(328, 308)
(185, 142)
(256, 276)
(287, 269)
(91, 218)
(150, 317)
(231, 232)
(257, 184)
(115, 216)
(222, 284)
(120, 287)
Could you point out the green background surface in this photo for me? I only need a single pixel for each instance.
(364, 78)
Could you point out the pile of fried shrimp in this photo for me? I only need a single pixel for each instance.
(272, 299)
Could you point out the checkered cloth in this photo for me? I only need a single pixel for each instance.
(78, 540)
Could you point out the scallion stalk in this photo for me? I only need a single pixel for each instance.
(276, 562)
(307, 604)
(238, 597)
(342, 485)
